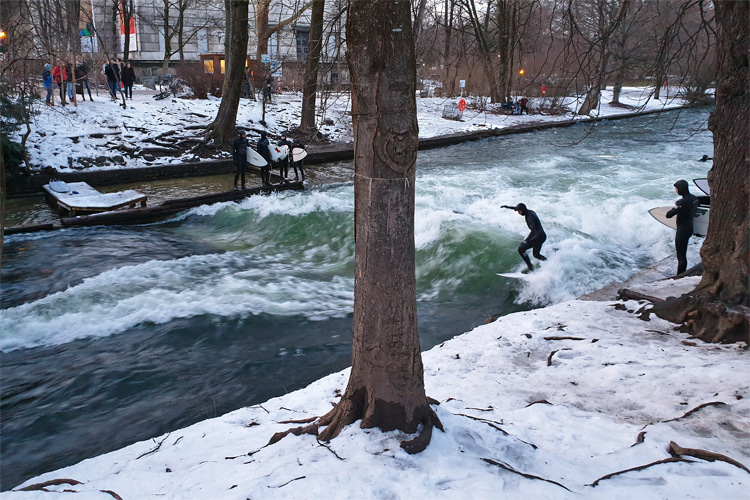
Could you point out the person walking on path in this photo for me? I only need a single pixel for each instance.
(47, 82)
(128, 79)
(82, 75)
(684, 209)
(239, 152)
(265, 171)
(60, 76)
(534, 240)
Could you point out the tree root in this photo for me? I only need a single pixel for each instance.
(527, 476)
(707, 318)
(640, 467)
(350, 410)
(690, 412)
(51, 482)
(677, 451)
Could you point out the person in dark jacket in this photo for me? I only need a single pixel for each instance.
(534, 240)
(265, 171)
(128, 79)
(297, 164)
(684, 209)
(70, 83)
(82, 75)
(113, 78)
(239, 152)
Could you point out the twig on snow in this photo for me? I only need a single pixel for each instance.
(527, 476)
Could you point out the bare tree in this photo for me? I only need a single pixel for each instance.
(386, 385)
(262, 28)
(222, 129)
(718, 310)
(310, 82)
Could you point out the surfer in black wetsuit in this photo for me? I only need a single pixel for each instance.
(265, 172)
(239, 151)
(684, 209)
(534, 240)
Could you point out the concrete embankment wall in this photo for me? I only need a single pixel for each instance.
(19, 185)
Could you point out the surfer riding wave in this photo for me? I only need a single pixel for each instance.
(534, 240)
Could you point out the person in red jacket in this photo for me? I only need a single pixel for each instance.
(60, 77)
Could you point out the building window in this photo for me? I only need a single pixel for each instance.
(208, 65)
(303, 44)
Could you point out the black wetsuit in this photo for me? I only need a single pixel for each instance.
(239, 150)
(684, 209)
(284, 164)
(265, 172)
(534, 240)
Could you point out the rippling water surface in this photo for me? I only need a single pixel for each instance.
(112, 335)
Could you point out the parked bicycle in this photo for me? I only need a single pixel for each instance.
(172, 85)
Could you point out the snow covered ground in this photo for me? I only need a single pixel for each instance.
(536, 405)
(94, 134)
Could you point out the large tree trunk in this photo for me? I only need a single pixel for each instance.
(223, 126)
(310, 83)
(386, 385)
(718, 309)
(167, 24)
(262, 8)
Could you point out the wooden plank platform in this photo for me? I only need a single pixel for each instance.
(81, 198)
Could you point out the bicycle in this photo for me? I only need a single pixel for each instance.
(169, 85)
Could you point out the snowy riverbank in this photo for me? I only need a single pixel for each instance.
(538, 404)
(100, 135)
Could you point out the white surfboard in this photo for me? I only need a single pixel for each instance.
(278, 152)
(298, 154)
(703, 185)
(518, 276)
(59, 186)
(700, 223)
(255, 159)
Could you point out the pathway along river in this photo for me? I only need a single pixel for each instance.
(112, 335)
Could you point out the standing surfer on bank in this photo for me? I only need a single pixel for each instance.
(534, 240)
(684, 209)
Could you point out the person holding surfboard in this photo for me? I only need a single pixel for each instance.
(239, 151)
(684, 209)
(298, 158)
(265, 172)
(534, 240)
(284, 163)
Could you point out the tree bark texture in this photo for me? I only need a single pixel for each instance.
(726, 252)
(718, 309)
(223, 126)
(310, 83)
(386, 386)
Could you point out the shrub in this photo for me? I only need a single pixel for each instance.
(200, 82)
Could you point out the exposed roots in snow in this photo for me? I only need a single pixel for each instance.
(707, 318)
(380, 415)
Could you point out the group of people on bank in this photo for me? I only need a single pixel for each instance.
(65, 77)
(71, 80)
(120, 78)
(239, 153)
